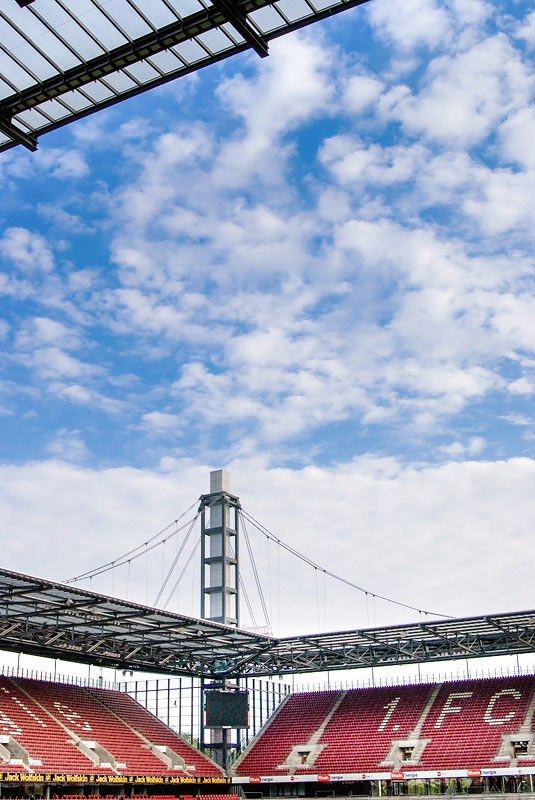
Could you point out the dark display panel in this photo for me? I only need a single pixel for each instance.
(226, 710)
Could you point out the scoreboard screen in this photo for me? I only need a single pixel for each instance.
(226, 710)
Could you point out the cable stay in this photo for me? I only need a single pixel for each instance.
(262, 529)
(134, 554)
(156, 541)
(245, 592)
(255, 571)
(113, 564)
(182, 573)
(248, 603)
(175, 560)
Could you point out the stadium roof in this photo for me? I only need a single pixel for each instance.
(61, 60)
(50, 619)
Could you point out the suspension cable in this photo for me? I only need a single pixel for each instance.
(184, 568)
(96, 570)
(244, 591)
(255, 572)
(311, 563)
(248, 603)
(119, 563)
(177, 556)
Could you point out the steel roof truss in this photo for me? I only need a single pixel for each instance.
(236, 16)
(454, 642)
(525, 639)
(113, 60)
(220, 16)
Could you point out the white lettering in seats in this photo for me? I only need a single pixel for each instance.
(27, 710)
(392, 705)
(493, 700)
(72, 716)
(24, 707)
(449, 708)
(8, 725)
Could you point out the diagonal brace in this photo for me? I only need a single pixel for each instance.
(17, 134)
(239, 20)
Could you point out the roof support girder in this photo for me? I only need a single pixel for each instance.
(118, 58)
(15, 133)
(139, 50)
(49, 619)
(239, 20)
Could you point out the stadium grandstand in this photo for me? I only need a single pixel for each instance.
(456, 730)
(208, 724)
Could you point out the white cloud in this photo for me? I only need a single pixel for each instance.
(502, 201)
(136, 128)
(472, 447)
(62, 219)
(526, 29)
(62, 162)
(43, 331)
(516, 138)
(521, 420)
(465, 95)
(353, 162)
(29, 251)
(160, 421)
(295, 86)
(55, 363)
(422, 23)
(87, 396)
(355, 291)
(68, 445)
(521, 386)
(360, 92)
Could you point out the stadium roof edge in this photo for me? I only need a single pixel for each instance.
(63, 61)
(50, 619)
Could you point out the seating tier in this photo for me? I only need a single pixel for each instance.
(39, 733)
(81, 713)
(154, 729)
(457, 725)
(46, 718)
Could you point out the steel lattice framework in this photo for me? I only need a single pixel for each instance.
(50, 619)
(61, 60)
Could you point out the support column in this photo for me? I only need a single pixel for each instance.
(220, 595)
(220, 589)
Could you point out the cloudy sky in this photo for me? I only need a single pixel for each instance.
(314, 270)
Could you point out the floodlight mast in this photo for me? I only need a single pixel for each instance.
(220, 595)
(220, 577)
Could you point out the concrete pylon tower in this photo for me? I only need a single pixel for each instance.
(220, 595)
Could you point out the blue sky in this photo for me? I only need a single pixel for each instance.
(315, 269)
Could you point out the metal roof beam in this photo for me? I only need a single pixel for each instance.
(16, 134)
(452, 641)
(8, 591)
(239, 20)
(529, 641)
(52, 608)
(118, 58)
(397, 647)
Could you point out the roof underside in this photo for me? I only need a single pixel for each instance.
(61, 60)
(50, 619)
